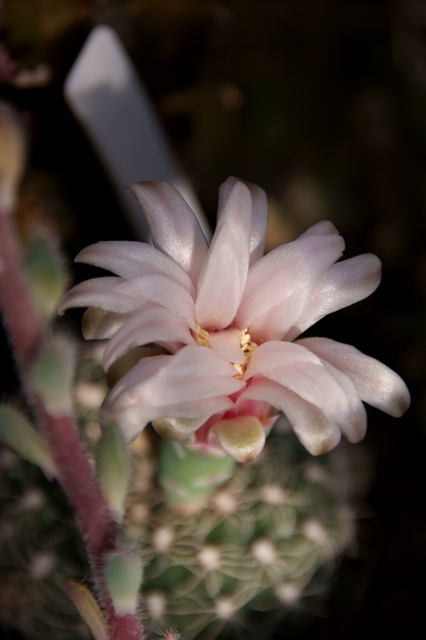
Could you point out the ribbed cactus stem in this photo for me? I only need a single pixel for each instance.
(188, 479)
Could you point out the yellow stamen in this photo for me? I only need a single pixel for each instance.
(247, 347)
(203, 337)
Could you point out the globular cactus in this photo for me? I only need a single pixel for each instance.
(259, 545)
(263, 541)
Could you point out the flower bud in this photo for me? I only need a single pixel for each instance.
(17, 433)
(123, 577)
(52, 375)
(113, 468)
(88, 608)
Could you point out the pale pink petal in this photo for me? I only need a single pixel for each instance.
(145, 369)
(158, 325)
(179, 386)
(227, 344)
(323, 228)
(345, 283)
(259, 218)
(132, 259)
(280, 284)
(273, 323)
(174, 227)
(303, 373)
(132, 419)
(101, 293)
(376, 384)
(202, 361)
(259, 221)
(356, 426)
(190, 374)
(224, 274)
(315, 429)
(163, 291)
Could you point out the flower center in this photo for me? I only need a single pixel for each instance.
(203, 337)
(234, 345)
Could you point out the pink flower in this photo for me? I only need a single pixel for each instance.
(228, 319)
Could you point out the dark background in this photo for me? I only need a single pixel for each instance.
(323, 104)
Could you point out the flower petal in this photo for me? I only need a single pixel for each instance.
(101, 293)
(160, 290)
(243, 438)
(304, 374)
(133, 418)
(193, 383)
(224, 274)
(279, 284)
(132, 259)
(259, 218)
(156, 325)
(376, 383)
(98, 324)
(356, 425)
(345, 283)
(316, 430)
(178, 428)
(174, 227)
(323, 228)
(227, 344)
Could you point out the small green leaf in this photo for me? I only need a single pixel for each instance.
(46, 276)
(123, 577)
(18, 434)
(113, 468)
(53, 373)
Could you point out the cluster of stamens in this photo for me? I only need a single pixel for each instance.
(246, 345)
(202, 337)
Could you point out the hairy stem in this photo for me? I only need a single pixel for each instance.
(77, 478)
(96, 521)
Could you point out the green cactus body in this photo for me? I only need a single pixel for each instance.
(262, 541)
(253, 551)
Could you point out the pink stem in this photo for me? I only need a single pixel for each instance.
(97, 523)
(19, 316)
(123, 627)
(96, 520)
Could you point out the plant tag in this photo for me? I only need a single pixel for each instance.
(107, 97)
